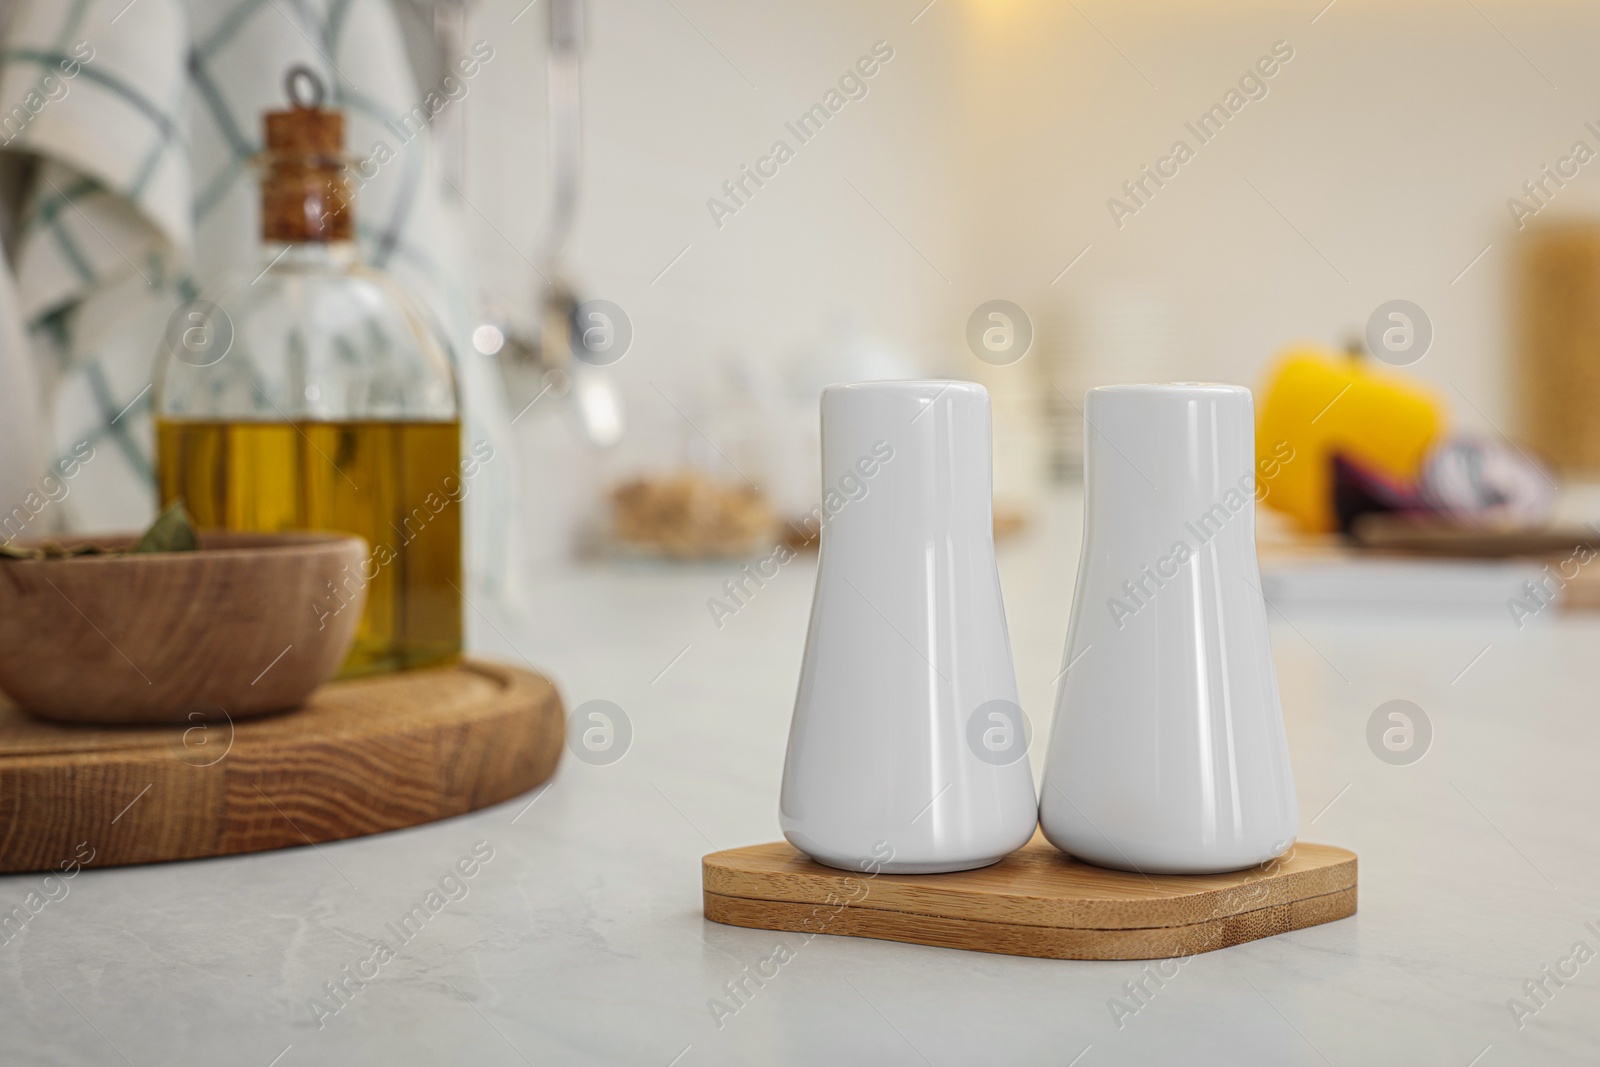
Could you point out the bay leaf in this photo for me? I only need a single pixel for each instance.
(173, 531)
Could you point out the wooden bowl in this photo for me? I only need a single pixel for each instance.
(244, 626)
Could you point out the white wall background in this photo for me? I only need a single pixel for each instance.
(980, 163)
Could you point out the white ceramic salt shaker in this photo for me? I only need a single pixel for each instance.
(907, 750)
(1168, 753)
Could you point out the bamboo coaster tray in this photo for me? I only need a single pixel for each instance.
(1035, 902)
(359, 757)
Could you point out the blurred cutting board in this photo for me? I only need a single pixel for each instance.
(1388, 533)
(1392, 560)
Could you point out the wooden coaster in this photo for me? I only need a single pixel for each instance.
(359, 757)
(1035, 902)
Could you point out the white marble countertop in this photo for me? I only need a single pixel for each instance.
(581, 940)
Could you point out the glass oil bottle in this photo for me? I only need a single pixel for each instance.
(313, 394)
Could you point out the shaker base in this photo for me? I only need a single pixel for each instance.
(897, 867)
(1133, 860)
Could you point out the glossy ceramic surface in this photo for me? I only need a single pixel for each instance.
(907, 750)
(1168, 751)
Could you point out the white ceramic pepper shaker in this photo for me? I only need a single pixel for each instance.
(1168, 752)
(907, 751)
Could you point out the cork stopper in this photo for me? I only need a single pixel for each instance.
(305, 196)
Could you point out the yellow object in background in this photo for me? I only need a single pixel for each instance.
(1319, 403)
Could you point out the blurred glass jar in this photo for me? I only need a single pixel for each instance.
(312, 393)
(688, 481)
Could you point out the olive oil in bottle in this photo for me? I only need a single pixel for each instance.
(313, 393)
(396, 484)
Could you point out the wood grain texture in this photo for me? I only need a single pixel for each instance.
(359, 757)
(1036, 902)
(233, 630)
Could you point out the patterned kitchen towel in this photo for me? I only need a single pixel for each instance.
(143, 116)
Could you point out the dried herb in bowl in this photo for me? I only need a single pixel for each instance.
(173, 531)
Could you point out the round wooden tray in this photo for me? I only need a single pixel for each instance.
(358, 758)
